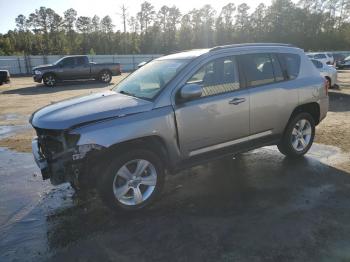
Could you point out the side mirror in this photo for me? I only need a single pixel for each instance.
(190, 91)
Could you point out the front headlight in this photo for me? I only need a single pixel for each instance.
(37, 72)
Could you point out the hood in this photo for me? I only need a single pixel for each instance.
(43, 67)
(80, 110)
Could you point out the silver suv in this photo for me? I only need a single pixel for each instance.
(176, 112)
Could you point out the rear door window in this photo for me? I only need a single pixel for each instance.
(291, 64)
(277, 69)
(258, 69)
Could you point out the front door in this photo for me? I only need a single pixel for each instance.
(220, 116)
(82, 68)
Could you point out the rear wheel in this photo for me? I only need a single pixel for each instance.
(105, 76)
(133, 181)
(49, 80)
(298, 136)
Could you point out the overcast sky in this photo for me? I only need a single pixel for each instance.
(10, 9)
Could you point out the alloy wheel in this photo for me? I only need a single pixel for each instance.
(135, 182)
(105, 77)
(50, 80)
(301, 135)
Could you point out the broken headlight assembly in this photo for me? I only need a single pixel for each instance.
(82, 150)
(71, 140)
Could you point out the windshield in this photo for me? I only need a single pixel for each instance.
(320, 56)
(59, 60)
(149, 80)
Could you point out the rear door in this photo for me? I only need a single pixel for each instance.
(272, 93)
(220, 116)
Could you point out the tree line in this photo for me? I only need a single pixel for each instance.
(309, 24)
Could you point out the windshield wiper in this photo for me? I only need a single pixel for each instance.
(127, 93)
(133, 95)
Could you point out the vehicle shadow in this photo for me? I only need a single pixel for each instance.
(339, 102)
(258, 205)
(64, 86)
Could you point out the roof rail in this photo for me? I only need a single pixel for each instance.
(247, 44)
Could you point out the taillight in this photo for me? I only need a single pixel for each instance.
(326, 86)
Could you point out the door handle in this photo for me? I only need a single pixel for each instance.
(236, 101)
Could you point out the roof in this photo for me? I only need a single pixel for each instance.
(197, 52)
(186, 55)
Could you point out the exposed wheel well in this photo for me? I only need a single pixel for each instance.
(102, 159)
(311, 108)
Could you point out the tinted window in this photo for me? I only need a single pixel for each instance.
(258, 69)
(320, 56)
(318, 64)
(291, 63)
(80, 60)
(216, 77)
(68, 61)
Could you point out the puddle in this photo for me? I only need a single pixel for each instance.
(12, 117)
(6, 131)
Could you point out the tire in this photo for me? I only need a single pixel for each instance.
(105, 76)
(122, 188)
(295, 142)
(50, 80)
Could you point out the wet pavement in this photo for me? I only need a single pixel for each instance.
(258, 206)
(6, 131)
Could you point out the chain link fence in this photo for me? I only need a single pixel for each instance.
(22, 65)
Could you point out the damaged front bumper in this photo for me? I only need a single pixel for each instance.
(65, 166)
(40, 160)
(59, 169)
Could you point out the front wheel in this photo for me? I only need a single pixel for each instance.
(133, 181)
(298, 136)
(49, 80)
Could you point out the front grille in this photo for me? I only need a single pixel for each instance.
(50, 142)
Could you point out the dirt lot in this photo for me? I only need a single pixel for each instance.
(258, 206)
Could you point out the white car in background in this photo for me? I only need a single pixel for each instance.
(343, 64)
(324, 57)
(328, 72)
